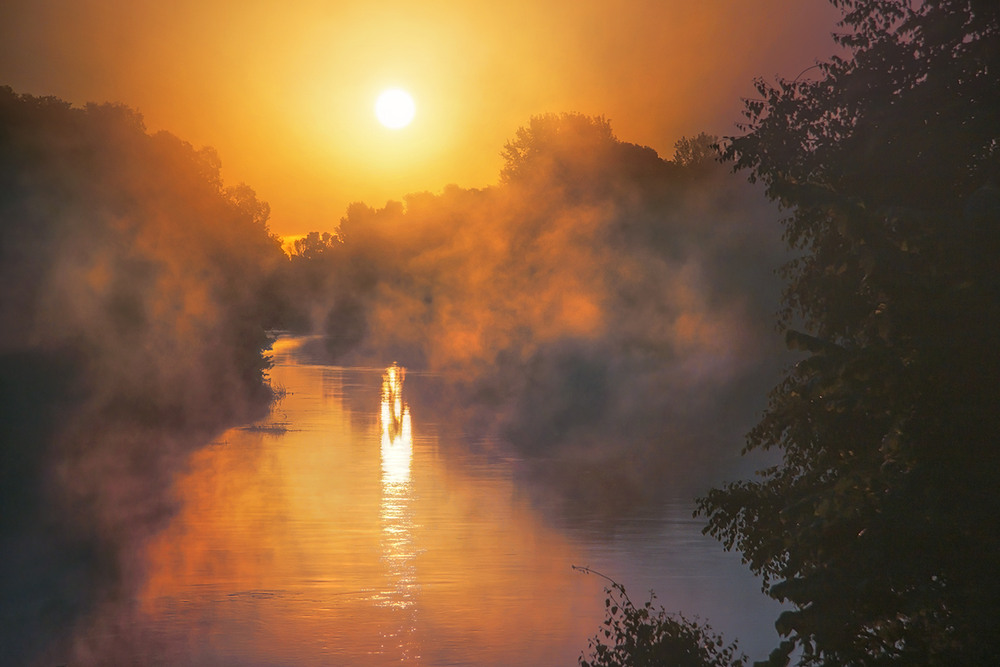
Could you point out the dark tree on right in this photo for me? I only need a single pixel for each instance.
(880, 524)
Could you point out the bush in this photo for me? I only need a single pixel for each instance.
(647, 635)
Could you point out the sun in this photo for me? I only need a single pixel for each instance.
(395, 108)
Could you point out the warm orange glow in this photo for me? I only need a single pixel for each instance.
(284, 91)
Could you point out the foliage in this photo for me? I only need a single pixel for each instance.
(879, 523)
(647, 636)
(553, 138)
(579, 152)
(134, 292)
(697, 152)
(314, 245)
(127, 246)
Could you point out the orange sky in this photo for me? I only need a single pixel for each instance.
(285, 90)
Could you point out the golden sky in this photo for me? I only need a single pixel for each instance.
(284, 90)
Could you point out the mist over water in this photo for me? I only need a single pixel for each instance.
(603, 312)
(333, 533)
(589, 340)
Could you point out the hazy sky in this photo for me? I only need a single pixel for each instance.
(285, 90)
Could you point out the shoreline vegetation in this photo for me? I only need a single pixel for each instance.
(132, 300)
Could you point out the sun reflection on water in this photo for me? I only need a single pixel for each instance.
(397, 545)
(397, 434)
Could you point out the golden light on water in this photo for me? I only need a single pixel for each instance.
(398, 551)
(347, 540)
(396, 430)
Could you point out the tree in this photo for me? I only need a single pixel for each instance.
(578, 153)
(649, 637)
(696, 152)
(552, 141)
(879, 523)
(314, 246)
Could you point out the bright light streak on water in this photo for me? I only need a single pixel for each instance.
(398, 549)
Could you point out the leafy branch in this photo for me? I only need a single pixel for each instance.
(647, 635)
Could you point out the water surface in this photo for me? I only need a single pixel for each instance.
(337, 532)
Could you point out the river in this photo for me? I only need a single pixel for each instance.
(340, 531)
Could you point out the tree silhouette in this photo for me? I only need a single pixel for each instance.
(579, 153)
(647, 636)
(314, 245)
(696, 152)
(879, 523)
(551, 141)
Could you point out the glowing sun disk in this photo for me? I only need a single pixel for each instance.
(395, 108)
